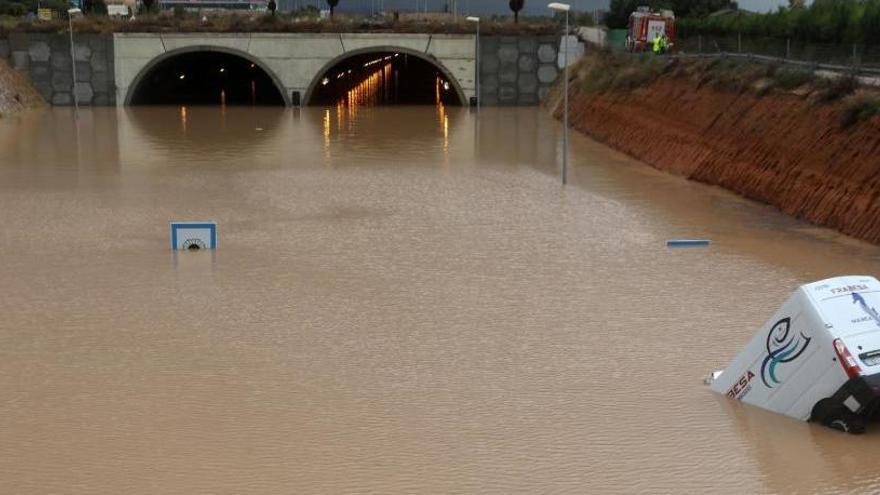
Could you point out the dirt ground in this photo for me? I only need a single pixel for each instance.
(16, 92)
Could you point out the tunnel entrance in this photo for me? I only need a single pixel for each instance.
(206, 78)
(384, 78)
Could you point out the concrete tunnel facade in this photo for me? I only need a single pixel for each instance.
(295, 62)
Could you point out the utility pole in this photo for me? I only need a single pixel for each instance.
(563, 7)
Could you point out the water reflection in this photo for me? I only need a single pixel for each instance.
(56, 141)
(797, 457)
(168, 136)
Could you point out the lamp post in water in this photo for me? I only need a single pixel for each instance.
(70, 14)
(477, 20)
(564, 7)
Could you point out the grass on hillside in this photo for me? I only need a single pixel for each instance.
(860, 108)
(604, 71)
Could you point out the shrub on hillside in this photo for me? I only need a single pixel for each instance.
(787, 79)
(837, 88)
(860, 109)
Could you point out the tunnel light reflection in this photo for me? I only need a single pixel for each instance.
(384, 78)
(442, 116)
(327, 136)
(183, 119)
(371, 90)
(443, 121)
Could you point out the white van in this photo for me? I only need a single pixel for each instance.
(817, 359)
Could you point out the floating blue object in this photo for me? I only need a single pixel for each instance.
(676, 243)
(193, 235)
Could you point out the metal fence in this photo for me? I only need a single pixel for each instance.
(858, 57)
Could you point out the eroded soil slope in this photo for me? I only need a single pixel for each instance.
(812, 149)
(16, 92)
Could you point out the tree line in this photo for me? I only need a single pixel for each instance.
(823, 21)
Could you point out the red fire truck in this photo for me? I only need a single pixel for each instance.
(644, 25)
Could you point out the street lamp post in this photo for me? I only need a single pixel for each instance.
(477, 62)
(564, 7)
(70, 14)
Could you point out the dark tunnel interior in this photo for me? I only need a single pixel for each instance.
(206, 78)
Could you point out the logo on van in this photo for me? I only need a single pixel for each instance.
(783, 346)
(871, 312)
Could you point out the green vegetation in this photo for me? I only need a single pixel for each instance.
(835, 89)
(740, 76)
(604, 71)
(825, 21)
(787, 79)
(859, 109)
(734, 75)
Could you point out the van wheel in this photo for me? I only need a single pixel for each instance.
(851, 424)
(838, 417)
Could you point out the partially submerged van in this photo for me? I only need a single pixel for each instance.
(817, 359)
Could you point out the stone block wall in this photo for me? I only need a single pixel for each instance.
(517, 70)
(45, 59)
(514, 70)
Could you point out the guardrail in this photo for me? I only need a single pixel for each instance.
(806, 64)
(860, 60)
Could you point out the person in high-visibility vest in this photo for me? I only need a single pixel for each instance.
(657, 44)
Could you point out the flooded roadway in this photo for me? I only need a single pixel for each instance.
(402, 302)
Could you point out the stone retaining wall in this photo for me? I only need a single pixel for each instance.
(45, 59)
(517, 70)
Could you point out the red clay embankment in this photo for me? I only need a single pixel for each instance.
(16, 92)
(735, 127)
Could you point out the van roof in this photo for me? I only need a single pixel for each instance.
(847, 304)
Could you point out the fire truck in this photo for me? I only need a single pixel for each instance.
(644, 25)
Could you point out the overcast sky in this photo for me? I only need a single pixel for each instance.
(761, 5)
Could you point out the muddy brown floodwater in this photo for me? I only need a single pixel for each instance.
(402, 302)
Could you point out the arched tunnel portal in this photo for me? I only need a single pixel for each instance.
(206, 76)
(386, 76)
